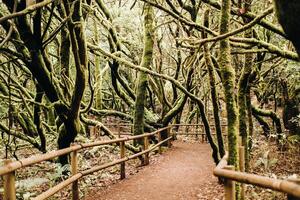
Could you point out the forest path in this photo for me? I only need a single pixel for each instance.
(184, 172)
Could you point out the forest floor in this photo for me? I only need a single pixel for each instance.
(273, 160)
(183, 172)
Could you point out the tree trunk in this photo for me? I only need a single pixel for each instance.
(242, 93)
(228, 78)
(138, 122)
(71, 118)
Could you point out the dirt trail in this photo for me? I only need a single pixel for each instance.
(182, 173)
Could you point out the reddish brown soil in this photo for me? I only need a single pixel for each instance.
(184, 172)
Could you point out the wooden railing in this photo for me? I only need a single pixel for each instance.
(9, 169)
(222, 170)
(190, 129)
(119, 127)
(225, 171)
(198, 130)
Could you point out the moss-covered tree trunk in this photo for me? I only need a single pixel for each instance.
(291, 109)
(213, 90)
(64, 55)
(228, 78)
(41, 68)
(98, 77)
(179, 104)
(250, 119)
(242, 93)
(213, 146)
(272, 115)
(141, 87)
(264, 125)
(71, 118)
(37, 117)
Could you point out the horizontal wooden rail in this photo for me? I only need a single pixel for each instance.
(104, 166)
(116, 124)
(79, 175)
(195, 125)
(10, 168)
(125, 124)
(36, 159)
(195, 133)
(58, 187)
(48, 156)
(284, 186)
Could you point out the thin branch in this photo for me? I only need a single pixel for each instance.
(264, 23)
(26, 11)
(239, 30)
(181, 18)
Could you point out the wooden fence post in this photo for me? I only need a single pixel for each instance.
(242, 169)
(146, 146)
(169, 134)
(74, 169)
(94, 131)
(187, 130)
(159, 140)
(9, 184)
(172, 133)
(119, 130)
(229, 186)
(122, 155)
(294, 180)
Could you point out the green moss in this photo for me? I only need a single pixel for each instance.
(228, 78)
(242, 103)
(138, 127)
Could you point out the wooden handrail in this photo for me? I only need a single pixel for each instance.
(36, 159)
(116, 124)
(104, 166)
(195, 125)
(11, 167)
(284, 186)
(58, 187)
(79, 175)
(127, 124)
(195, 133)
(48, 156)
